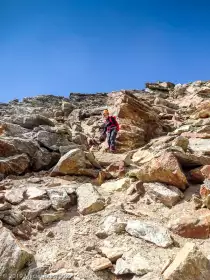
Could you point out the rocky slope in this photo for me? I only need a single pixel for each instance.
(71, 210)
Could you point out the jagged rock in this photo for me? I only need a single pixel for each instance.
(200, 145)
(117, 169)
(132, 265)
(118, 185)
(14, 256)
(205, 189)
(52, 140)
(17, 164)
(191, 227)
(190, 263)
(67, 108)
(35, 193)
(15, 196)
(48, 218)
(59, 199)
(149, 232)
(112, 224)
(164, 169)
(32, 121)
(112, 254)
(74, 163)
(105, 159)
(182, 142)
(205, 171)
(32, 208)
(100, 264)
(12, 217)
(167, 194)
(6, 149)
(89, 200)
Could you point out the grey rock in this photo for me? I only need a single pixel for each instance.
(15, 195)
(149, 231)
(59, 198)
(14, 256)
(89, 200)
(167, 194)
(12, 217)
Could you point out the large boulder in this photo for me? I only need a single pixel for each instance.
(74, 163)
(14, 256)
(190, 263)
(164, 169)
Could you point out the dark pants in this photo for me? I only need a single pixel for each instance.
(111, 138)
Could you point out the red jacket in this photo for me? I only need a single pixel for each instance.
(110, 123)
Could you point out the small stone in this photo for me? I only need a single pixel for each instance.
(119, 185)
(112, 254)
(59, 199)
(12, 217)
(182, 142)
(149, 232)
(35, 193)
(50, 234)
(48, 218)
(100, 264)
(113, 224)
(89, 200)
(190, 263)
(132, 265)
(168, 195)
(14, 196)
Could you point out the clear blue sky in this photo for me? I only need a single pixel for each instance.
(62, 46)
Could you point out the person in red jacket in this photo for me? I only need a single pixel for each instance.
(111, 128)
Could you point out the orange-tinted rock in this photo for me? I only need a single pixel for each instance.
(195, 175)
(117, 170)
(164, 169)
(191, 227)
(205, 189)
(205, 171)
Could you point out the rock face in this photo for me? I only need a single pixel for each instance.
(149, 232)
(14, 256)
(89, 200)
(164, 169)
(190, 263)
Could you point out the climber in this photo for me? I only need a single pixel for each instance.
(111, 127)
